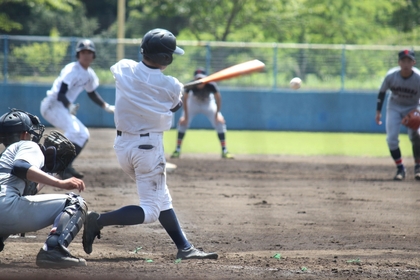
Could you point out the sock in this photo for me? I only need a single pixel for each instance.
(179, 141)
(396, 155)
(170, 223)
(222, 142)
(125, 216)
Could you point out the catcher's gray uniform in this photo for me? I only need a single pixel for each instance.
(404, 96)
(24, 213)
(33, 212)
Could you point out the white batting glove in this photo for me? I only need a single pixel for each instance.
(73, 108)
(109, 108)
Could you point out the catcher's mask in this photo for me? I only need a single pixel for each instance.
(13, 123)
(158, 45)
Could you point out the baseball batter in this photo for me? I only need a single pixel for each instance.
(20, 164)
(58, 106)
(144, 103)
(404, 84)
(202, 99)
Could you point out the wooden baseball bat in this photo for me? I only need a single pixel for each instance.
(230, 72)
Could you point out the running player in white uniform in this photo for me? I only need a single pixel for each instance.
(202, 99)
(144, 103)
(404, 84)
(58, 106)
(20, 164)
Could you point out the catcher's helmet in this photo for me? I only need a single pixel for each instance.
(158, 45)
(13, 123)
(85, 44)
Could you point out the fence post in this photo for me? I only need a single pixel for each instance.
(343, 67)
(208, 58)
(6, 54)
(73, 43)
(275, 66)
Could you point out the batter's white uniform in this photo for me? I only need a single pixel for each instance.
(24, 213)
(78, 79)
(143, 100)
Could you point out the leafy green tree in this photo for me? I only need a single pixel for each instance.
(200, 20)
(40, 56)
(69, 24)
(14, 13)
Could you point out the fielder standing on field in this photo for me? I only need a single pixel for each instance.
(404, 84)
(202, 99)
(144, 103)
(58, 106)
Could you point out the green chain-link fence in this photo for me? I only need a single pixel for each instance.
(35, 59)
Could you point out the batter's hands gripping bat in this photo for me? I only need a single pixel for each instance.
(230, 72)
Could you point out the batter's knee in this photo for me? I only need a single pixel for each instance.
(151, 214)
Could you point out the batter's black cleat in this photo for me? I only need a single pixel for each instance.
(194, 253)
(400, 174)
(417, 172)
(58, 258)
(90, 231)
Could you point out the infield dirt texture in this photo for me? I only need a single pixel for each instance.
(268, 217)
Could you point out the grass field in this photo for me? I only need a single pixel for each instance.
(287, 143)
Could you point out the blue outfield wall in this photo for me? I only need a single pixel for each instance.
(242, 109)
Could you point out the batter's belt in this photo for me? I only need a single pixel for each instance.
(119, 133)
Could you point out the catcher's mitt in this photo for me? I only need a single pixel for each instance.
(412, 120)
(59, 152)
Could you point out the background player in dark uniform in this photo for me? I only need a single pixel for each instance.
(404, 84)
(202, 99)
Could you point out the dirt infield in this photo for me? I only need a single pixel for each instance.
(268, 217)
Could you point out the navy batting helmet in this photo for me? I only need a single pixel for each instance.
(85, 44)
(158, 45)
(13, 123)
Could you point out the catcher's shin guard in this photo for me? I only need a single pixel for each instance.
(68, 223)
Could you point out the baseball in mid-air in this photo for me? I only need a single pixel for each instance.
(295, 83)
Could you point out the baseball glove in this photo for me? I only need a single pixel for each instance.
(59, 152)
(412, 120)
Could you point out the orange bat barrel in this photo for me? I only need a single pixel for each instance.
(230, 72)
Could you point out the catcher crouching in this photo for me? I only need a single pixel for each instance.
(25, 167)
